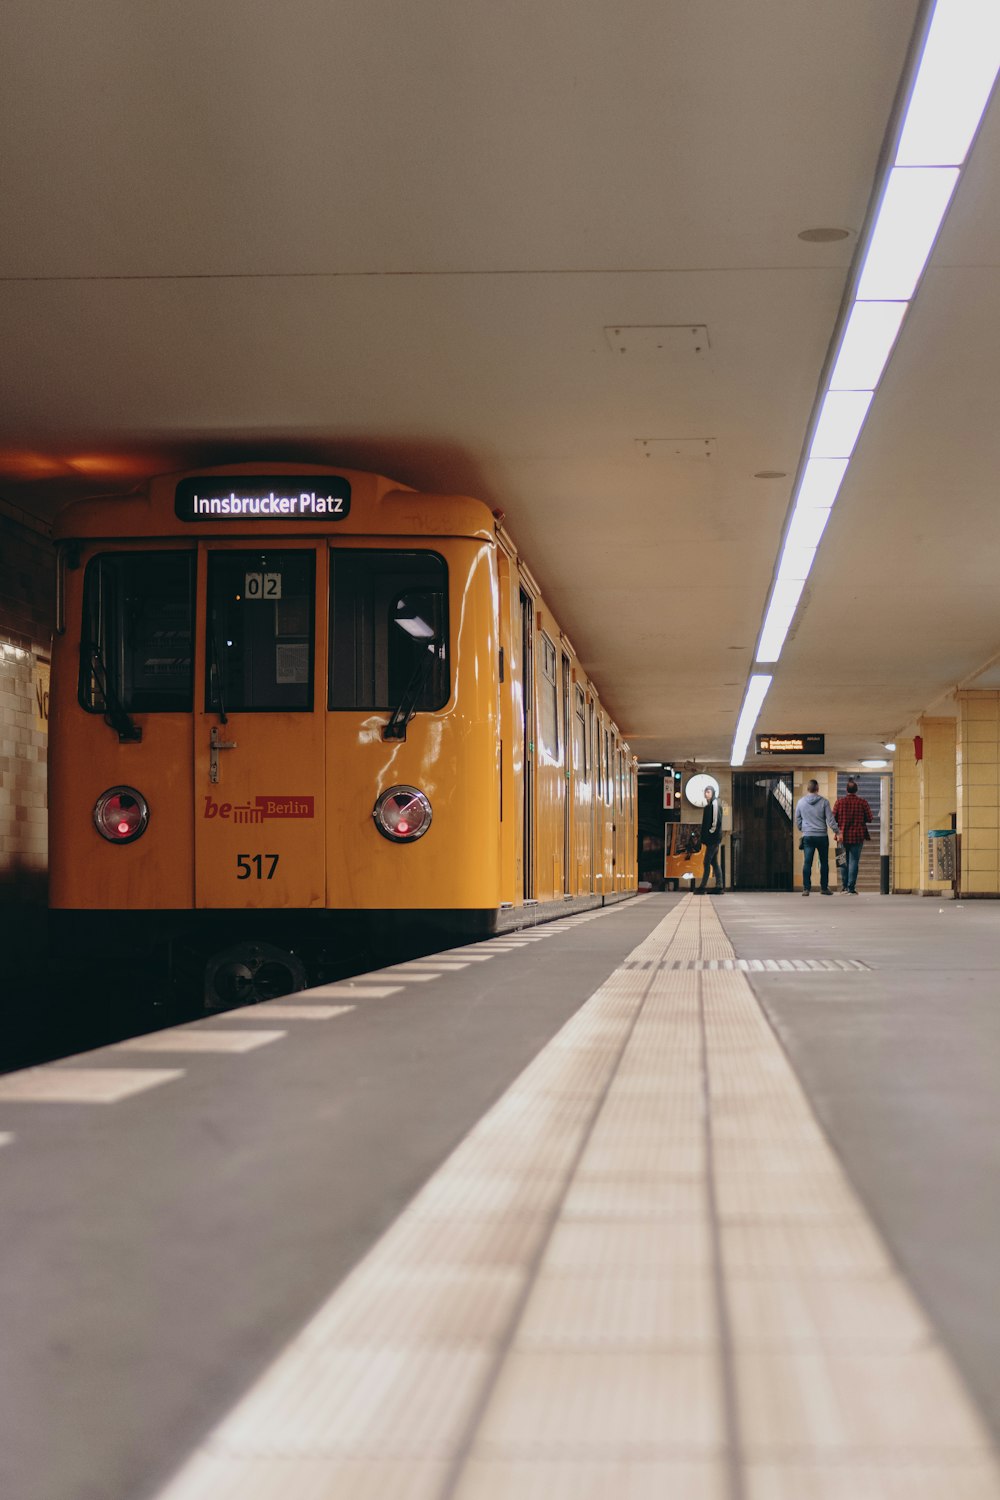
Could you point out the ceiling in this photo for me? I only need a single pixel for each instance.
(399, 237)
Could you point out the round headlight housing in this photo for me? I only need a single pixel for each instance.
(402, 814)
(121, 814)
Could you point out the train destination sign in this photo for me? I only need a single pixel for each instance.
(264, 497)
(791, 744)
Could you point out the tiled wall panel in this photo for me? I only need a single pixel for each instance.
(27, 585)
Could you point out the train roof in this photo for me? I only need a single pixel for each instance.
(274, 499)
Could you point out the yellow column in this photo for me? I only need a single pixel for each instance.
(936, 790)
(906, 849)
(977, 779)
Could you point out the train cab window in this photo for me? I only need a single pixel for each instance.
(138, 620)
(259, 647)
(388, 630)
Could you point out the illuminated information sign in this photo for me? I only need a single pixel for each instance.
(791, 744)
(263, 497)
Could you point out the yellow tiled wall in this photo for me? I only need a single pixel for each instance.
(27, 573)
(906, 844)
(936, 790)
(977, 783)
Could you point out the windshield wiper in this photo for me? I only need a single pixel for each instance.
(215, 676)
(115, 713)
(401, 716)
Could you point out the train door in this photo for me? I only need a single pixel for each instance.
(610, 819)
(259, 730)
(527, 708)
(511, 727)
(618, 850)
(582, 816)
(567, 783)
(595, 795)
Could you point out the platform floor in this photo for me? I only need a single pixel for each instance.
(687, 1198)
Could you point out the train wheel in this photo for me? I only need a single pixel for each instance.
(249, 973)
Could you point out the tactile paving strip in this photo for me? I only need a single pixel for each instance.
(771, 965)
(643, 1274)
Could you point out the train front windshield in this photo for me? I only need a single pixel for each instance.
(388, 614)
(260, 638)
(138, 628)
(377, 648)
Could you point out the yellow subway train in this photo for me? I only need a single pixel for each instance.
(290, 700)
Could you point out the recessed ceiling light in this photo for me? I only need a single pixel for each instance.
(823, 236)
(771, 474)
(874, 765)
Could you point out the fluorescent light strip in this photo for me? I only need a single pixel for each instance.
(796, 560)
(806, 530)
(955, 76)
(841, 419)
(753, 701)
(820, 483)
(784, 601)
(951, 89)
(866, 345)
(914, 203)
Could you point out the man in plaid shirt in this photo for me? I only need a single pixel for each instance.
(853, 815)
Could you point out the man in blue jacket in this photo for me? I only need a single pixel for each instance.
(813, 816)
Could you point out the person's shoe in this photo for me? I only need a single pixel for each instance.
(851, 891)
(825, 890)
(806, 891)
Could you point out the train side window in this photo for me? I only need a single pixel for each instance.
(259, 644)
(548, 694)
(580, 738)
(373, 661)
(138, 625)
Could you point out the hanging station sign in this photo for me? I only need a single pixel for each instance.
(791, 744)
(272, 497)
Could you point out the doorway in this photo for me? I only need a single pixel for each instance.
(762, 846)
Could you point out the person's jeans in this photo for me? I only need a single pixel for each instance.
(810, 846)
(849, 869)
(711, 862)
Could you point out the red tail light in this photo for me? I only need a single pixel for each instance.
(402, 814)
(121, 814)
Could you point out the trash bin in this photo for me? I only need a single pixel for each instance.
(941, 854)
